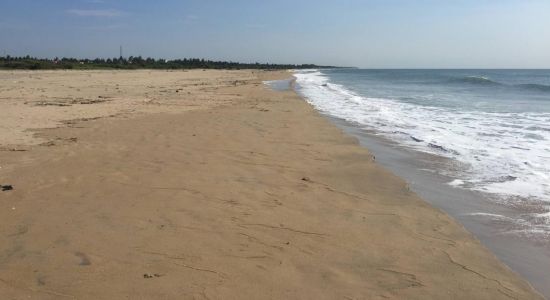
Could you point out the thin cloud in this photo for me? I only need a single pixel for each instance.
(189, 19)
(105, 27)
(104, 13)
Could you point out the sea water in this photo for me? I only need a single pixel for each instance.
(491, 126)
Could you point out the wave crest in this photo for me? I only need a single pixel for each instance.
(480, 80)
(534, 87)
(485, 81)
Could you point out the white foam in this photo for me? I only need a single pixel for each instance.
(544, 217)
(502, 153)
(496, 216)
(456, 182)
(538, 228)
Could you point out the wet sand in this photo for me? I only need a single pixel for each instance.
(209, 185)
(529, 255)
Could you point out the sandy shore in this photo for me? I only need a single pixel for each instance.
(208, 185)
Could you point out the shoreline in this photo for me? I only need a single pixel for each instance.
(252, 192)
(492, 222)
(528, 257)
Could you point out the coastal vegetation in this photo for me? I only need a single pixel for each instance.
(135, 62)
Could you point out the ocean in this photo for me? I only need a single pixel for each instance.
(494, 125)
(475, 143)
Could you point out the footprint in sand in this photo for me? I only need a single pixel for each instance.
(84, 260)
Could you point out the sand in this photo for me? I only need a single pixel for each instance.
(208, 185)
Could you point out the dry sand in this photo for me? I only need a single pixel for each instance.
(207, 185)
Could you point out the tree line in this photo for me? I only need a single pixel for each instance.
(135, 62)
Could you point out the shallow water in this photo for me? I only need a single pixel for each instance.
(279, 85)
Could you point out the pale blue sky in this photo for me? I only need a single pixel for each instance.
(367, 33)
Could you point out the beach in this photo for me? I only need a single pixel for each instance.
(210, 185)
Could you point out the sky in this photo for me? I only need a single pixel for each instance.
(360, 33)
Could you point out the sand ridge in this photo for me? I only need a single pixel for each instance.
(254, 196)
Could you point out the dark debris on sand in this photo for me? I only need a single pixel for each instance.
(5, 188)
